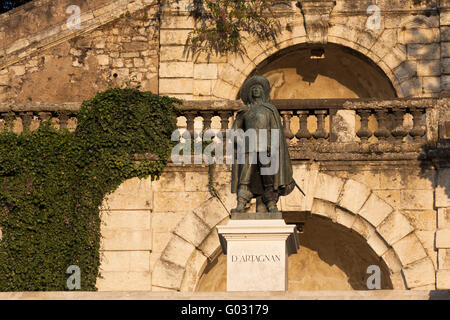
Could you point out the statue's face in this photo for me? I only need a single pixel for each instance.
(257, 91)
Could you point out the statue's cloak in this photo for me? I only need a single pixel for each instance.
(283, 181)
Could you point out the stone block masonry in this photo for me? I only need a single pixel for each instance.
(160, 235)
(165, 245)
(118, 46)
(124, 42)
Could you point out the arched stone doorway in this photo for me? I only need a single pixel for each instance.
(342, 62)
(324, 72)
(331, 257)
(329, 71)
(194, 244)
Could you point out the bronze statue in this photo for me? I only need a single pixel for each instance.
(247, 180)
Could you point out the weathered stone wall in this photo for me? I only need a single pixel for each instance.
(409, 46)
(409, 192)
(117, 45)
(443, 229)
(160, 235)
(138, 221)
(35, 17)
(445, 45)
(405, 46)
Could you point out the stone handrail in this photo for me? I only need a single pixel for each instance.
(319, 128)
(396, 120)
(341, 129)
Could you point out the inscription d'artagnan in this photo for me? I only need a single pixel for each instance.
(257, 253)
(256, 258)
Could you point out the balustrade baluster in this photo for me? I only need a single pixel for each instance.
(9, 118)
(190, 118)
(63, 120)
(382, 133)
(320, 134)
(207, 116)
(44, 117)
(390, 125)
(364, 133)
(26, 118)
(303, 133)
(3, 124)
(224, 120)
(287, 115)
(74, 119)
(418, 130)
(399, 131)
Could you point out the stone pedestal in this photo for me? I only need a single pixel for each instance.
(257, 253)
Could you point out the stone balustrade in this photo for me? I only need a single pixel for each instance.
(17, 118)
(400, 120)
(328, 126)
(338, 129)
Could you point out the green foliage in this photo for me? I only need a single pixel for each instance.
(52, 183)
(7, 5)
(223, 25)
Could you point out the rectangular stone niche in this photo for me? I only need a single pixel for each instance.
(257, 253)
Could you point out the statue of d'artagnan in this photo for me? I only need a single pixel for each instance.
(247, 179)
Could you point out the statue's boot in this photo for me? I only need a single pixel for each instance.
(241, 203)
(243, 197)
(272, 207)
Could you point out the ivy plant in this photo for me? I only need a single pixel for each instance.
(53, 182)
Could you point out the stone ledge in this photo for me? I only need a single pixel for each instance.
(234, 105)
(173, 295)
(357, 151)
(256, 216)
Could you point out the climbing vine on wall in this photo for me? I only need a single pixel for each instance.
(52, 183)
(221, 26)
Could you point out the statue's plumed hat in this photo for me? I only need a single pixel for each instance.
(246, 94)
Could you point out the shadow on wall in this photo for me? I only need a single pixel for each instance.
(322, 72)
(419, 74)
(334, 258)
(437, 158)
(439, 295)
(331, 257)
(334, 71)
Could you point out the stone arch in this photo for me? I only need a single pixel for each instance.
(347, 202)
(381, 47)
(342, 73)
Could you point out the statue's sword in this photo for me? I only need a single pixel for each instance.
(300, 189)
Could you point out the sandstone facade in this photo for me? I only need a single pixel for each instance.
(138, 42)
(398, 232)
(375, 200)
